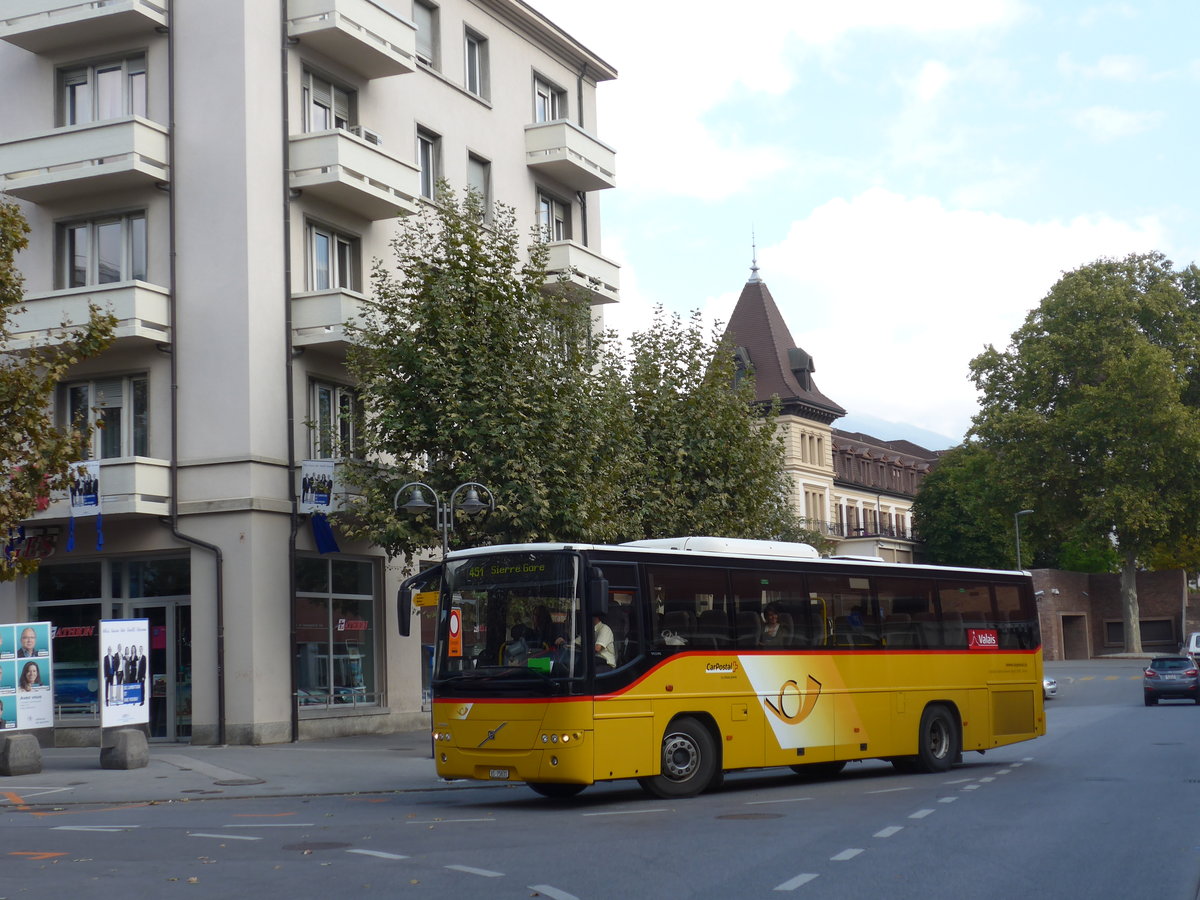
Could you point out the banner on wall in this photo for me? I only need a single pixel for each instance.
(84, 487)
(26, 676)
(124, 672)
(317, 485)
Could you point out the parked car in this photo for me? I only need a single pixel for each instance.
(1049, 687)
(1191, 646)
(1171, 678)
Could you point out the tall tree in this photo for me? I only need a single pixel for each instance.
(1093, 410)
(35, 454)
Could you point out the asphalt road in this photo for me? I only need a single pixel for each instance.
(1103, 806)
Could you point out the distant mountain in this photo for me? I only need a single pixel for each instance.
(895, 431)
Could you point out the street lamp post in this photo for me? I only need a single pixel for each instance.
(1017, 531)
(471, 504)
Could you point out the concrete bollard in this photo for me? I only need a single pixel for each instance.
(129, 750)
(20, 754)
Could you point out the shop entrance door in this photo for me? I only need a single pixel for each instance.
(170, 682)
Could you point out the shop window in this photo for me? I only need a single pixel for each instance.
(336, 634)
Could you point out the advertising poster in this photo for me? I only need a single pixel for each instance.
(26, 676)
(125, 672)
(85, 488)
(317, 486)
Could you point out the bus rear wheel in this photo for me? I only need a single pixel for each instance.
(938, 744)
(688, 761)
(555, 789)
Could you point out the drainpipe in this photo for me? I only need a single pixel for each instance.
(289, 355)
(580, 195)
(172, 304)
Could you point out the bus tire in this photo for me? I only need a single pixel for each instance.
(938, 741)
(555, 789)
(819, 770)
(688, 761)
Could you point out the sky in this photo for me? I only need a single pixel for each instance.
(916, 176)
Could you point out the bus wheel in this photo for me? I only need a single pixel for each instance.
(938, 741)
(555, 788)
(689, 761)
(819, 770)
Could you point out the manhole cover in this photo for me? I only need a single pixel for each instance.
(743, 816)
(317, 845)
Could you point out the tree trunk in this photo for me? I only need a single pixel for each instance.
(1129, 605)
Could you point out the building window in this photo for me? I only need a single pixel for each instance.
(101, 251)
(115, 410)
(335, 616)
(102, 91)
(479, 179)
(477, 64)
(333, 260)
(327, 105)
(425, 17)
(336, 421)
(549, 101)
(429, 151)
(554, 218)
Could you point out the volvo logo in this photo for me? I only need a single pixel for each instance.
(492, 734)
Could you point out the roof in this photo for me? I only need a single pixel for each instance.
(781, 369)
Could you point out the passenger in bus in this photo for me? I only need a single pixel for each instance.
(516, 651)
(542, 630)
(772, 630)
(605, 646)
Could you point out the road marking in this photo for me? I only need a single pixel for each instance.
(224, 837)
(486, 873)
(283, 815)
(921, 813)
(889, 831)
(37, 855)
(986, 780)
(14, 798)
(890, 790)
(846, 854)
(443, 821)
(957, 781)
(378, 853)
(627, 812)
(270, 825)
(1087, 677)
(947, 800)
(784, 800)
(94, 827)
(23, 798)
(1112, 677)
(969, 787)
(552, 892)
(793, 883)
(1004, 772)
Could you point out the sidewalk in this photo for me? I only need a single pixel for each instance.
(366, 764)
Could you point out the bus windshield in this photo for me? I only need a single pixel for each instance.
(511, 611)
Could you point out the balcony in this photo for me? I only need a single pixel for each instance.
(129, 485)
(360, 34)
(43, 26)
(570, 156)
(345, 170)
(319, 318)
(77, 160)
(583, 269)
(142, 312)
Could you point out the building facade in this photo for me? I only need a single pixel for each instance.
(854, 489)
(219, 174)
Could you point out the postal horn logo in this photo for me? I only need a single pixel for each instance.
(794, 705)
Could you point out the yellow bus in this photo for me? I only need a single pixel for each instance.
(675, 661)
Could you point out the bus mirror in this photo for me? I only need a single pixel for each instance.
(599, 592)
(404, 610)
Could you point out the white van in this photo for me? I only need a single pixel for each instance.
(1192, 645)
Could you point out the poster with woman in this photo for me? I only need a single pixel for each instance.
(125, 672)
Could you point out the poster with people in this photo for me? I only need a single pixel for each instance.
(85, 488)
(317, 486)
(26, 676)
(125, 674)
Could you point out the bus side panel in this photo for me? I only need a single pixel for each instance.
(625, 743)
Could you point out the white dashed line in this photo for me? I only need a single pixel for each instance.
(986, 780)
(890, 790)
(271, 825)
(94, 827)
(486, 873)
(627, 812)
(787, 800)
(443, 821)
(378, 853)
(849, 853)
(224, 837)
(792, 883)
(970, 787)
(553, 893)
(889, 831)
(947, 800)
(957, 781)
(921, 813)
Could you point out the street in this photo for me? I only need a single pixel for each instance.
(1103, 806)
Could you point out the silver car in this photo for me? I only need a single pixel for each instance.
(1171, 678)
(1049, 687)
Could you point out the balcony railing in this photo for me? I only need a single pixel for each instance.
(842, 530)
(82, 159)
(141, 310)
(360, 34)
(570, 155)
(319, 318)
(582, 268)
(43, 26)
(129, 485)
(349, 172)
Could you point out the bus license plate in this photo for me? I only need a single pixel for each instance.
(498, 773)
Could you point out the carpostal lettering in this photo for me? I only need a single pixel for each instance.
(721, 668)
(982, 639)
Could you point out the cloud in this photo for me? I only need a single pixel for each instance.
(894, 295)
(1107, 123)
(1106, 68)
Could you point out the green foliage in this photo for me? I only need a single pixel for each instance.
(473, 368)
(1094, 409)
(964, 512)
(34, 453)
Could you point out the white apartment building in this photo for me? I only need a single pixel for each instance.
(220, 174)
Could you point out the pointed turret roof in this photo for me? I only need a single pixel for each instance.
(781, 369)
